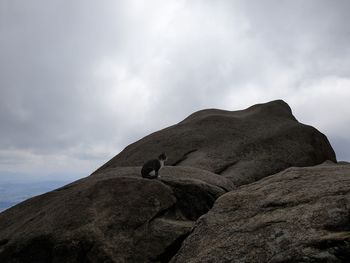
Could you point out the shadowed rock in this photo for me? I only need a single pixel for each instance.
(113, 216)
(244, 146)
(298, 215)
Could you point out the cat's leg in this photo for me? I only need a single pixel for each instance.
(152, 175)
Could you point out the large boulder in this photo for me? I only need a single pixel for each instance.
(113, 216)
(244, 146)
(298, 215)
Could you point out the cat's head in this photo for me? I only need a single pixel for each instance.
(162, 157)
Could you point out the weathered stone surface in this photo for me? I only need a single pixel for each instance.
(298, 215)
(113, 216)
(244, 146)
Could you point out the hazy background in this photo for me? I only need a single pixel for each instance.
(80, 80)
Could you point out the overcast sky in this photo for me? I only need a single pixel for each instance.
(80, 80)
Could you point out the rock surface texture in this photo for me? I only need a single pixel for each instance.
(243, 146)
(113, 216)
(232, 160)
(298, 215)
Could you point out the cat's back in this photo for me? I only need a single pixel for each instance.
(154, 164)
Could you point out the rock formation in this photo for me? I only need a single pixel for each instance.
(235, 160)
(243, 146)
(113, 216)
(298, 215)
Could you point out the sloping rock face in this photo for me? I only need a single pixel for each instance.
(298, 215)
(243, 146)
(113, 216)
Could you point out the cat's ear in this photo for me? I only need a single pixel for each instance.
(163, 156)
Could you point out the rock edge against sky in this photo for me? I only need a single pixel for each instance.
(241, 163)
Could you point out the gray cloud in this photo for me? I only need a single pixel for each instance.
(79, 81)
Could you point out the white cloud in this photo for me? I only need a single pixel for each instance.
(324, 103)
(82, 80)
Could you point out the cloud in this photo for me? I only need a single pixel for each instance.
(323, 103)
(80, 81)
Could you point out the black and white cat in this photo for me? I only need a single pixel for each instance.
(151, 168)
